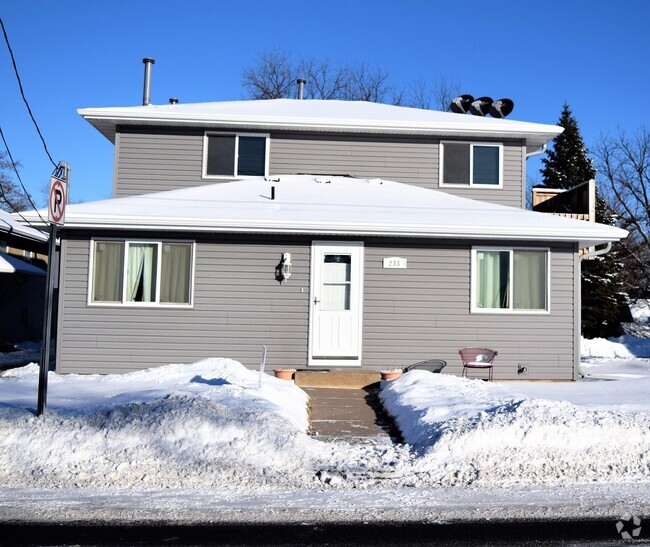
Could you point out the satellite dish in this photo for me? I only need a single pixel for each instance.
(501, 108)
(481, 106)
(460, 105)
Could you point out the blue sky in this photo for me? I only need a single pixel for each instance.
(75, 54)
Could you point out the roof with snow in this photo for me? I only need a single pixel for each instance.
(10, 226)
(11, 264)
(320, 115)
(319, 205)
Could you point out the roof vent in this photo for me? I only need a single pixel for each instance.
(482, 106)
(301, 88)
(146, 93)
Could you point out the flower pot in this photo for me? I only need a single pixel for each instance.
(390, 374)
(284, 373)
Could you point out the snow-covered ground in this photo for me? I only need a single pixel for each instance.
(207, 442)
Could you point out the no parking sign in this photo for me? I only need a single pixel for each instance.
(58, 200)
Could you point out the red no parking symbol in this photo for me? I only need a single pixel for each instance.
(58, 199)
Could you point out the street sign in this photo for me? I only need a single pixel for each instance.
(57, 201)
(56, 216)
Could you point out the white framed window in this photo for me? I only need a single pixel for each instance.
(141, 273)
(465, 164)
(510, 280)
(230, 155)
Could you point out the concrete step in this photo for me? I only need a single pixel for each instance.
(335, 378)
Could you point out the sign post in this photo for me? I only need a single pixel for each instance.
(56, 216)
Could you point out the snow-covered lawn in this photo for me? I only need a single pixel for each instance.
(193, 439)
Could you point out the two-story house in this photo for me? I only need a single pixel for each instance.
(338, 234)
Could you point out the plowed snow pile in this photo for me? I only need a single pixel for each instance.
(211, 425)
(180, 425)
(470, 431)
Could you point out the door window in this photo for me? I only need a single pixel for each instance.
(337, 279)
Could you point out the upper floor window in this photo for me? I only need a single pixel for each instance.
(471, 164)
(510, 280)
(235, 155)
(141, 272)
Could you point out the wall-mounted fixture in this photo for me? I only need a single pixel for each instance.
(521, 369)
(283, 269)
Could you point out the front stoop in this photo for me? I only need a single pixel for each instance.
(335, 378)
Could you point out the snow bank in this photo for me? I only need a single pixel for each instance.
(209, 426)
(180, 425)
(474, 432)
(623, 347)
(599, 347)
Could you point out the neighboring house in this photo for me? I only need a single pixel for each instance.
(186, 262)
(22, 284)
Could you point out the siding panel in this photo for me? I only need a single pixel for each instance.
(158, 159)
(427, 314)
(410, 314)
(236, 310)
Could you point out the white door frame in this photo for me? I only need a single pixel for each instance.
(350, 357)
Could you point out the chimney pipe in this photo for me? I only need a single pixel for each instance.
(301, 88)
(146, 93)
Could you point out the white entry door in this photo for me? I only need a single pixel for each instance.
(336, 304)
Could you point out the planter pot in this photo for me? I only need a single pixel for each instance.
(390, 374)
(284, 373)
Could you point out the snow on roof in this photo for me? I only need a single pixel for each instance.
(9, 225)
(306, 204)
(320, 115)
(11, 264)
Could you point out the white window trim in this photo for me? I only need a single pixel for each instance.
(508, 311)
(207, 134)
(471, 184)
(124, 303)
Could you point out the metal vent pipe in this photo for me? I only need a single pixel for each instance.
(301, 88)
(146, 93)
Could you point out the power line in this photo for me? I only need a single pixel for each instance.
(22, 92)
(29, 198)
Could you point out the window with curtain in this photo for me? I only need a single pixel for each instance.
(108, 267)
(142, 272)
(511, 280)
(467, 164)
(235, 155)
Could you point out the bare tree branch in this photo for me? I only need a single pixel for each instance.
(271, 77)
(624, 174)
(274, 73)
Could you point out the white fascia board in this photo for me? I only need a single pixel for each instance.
(586, 238)
(12, 226)
(535, 134)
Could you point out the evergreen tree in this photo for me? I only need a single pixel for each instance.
(567, 165)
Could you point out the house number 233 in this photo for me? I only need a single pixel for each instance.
(394, 262)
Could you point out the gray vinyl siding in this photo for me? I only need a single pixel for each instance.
(409, 315)
(412, 160)
(238, 306)
(423, 312)
(159, 159)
